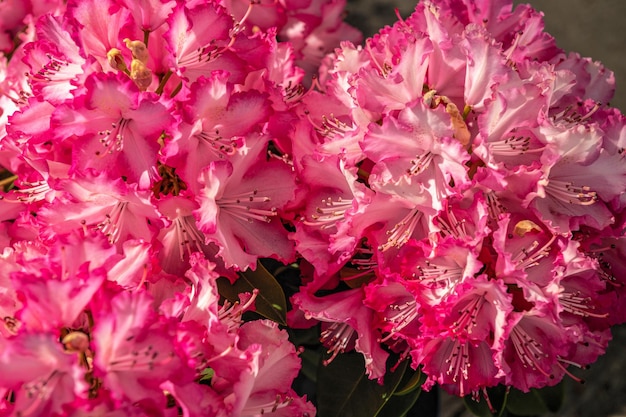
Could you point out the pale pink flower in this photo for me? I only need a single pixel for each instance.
(240, 204)
(41, 374)
(134, 349)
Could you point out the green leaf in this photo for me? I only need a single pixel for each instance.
(399, 405)
(536, 402)
(311, 360)
(205, 376)
(270, 302)
(498, 397)
(411, 381)
(552, 397)
(343, 389)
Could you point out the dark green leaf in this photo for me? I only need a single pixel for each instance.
(206, 376)
(399, 405)
(536, 402)
(552, 397)
(306, 337)
(343, 389)
(411, 381)
(270, 302)
(311, 360)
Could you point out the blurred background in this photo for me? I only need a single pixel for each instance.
(595, 29)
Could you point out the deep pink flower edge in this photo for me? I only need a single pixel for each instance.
(455, 185)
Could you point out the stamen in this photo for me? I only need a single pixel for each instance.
(220, 355)
(452, 226)
(147, 357)
(528, 350)
(363, 259)
(513, 47)
(31, 192)
(331, 127)
(239, 27)
(571, 116)
(573, 303)
(494, 207)
(513, 146)
(113, 224)
(281, 401)
(293, 93)
(39, 391)
(402, 231)
(190, 239)
(567, 192)
(113, 139)
(568, 373)
(204, 54)
(530, 256)
(420, 163)
(605, 270)
(336, 338)
(438, 276)
(383, 69)
(458, 362)
(211, 51)
(222, 147)
(400, 316)
(49, 71)
(230, 313)
(333, 211)
(239, 206)
(467, 316)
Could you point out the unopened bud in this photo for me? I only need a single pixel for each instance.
(116, 60)
(140, 74)
(76, 342)
(138, 49)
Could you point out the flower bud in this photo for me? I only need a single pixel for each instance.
(140, 74)
(116, 60)
(138, 49)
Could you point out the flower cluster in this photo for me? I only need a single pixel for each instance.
(135, 140)
(476, 200)
(452, 191)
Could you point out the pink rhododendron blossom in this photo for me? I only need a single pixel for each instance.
(483, 168)
(350, 326)
(134, 349)
(114, 124)
(277, 366)
(239, 207)
(42, 376)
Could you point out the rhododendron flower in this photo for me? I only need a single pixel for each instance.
(483, 170)
(239, 207)
(114, 124)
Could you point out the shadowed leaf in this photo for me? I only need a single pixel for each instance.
(343, 389)
(270, 302)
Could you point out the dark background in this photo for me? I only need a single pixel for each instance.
(596, 29)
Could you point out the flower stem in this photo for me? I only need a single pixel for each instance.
(164, 80)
